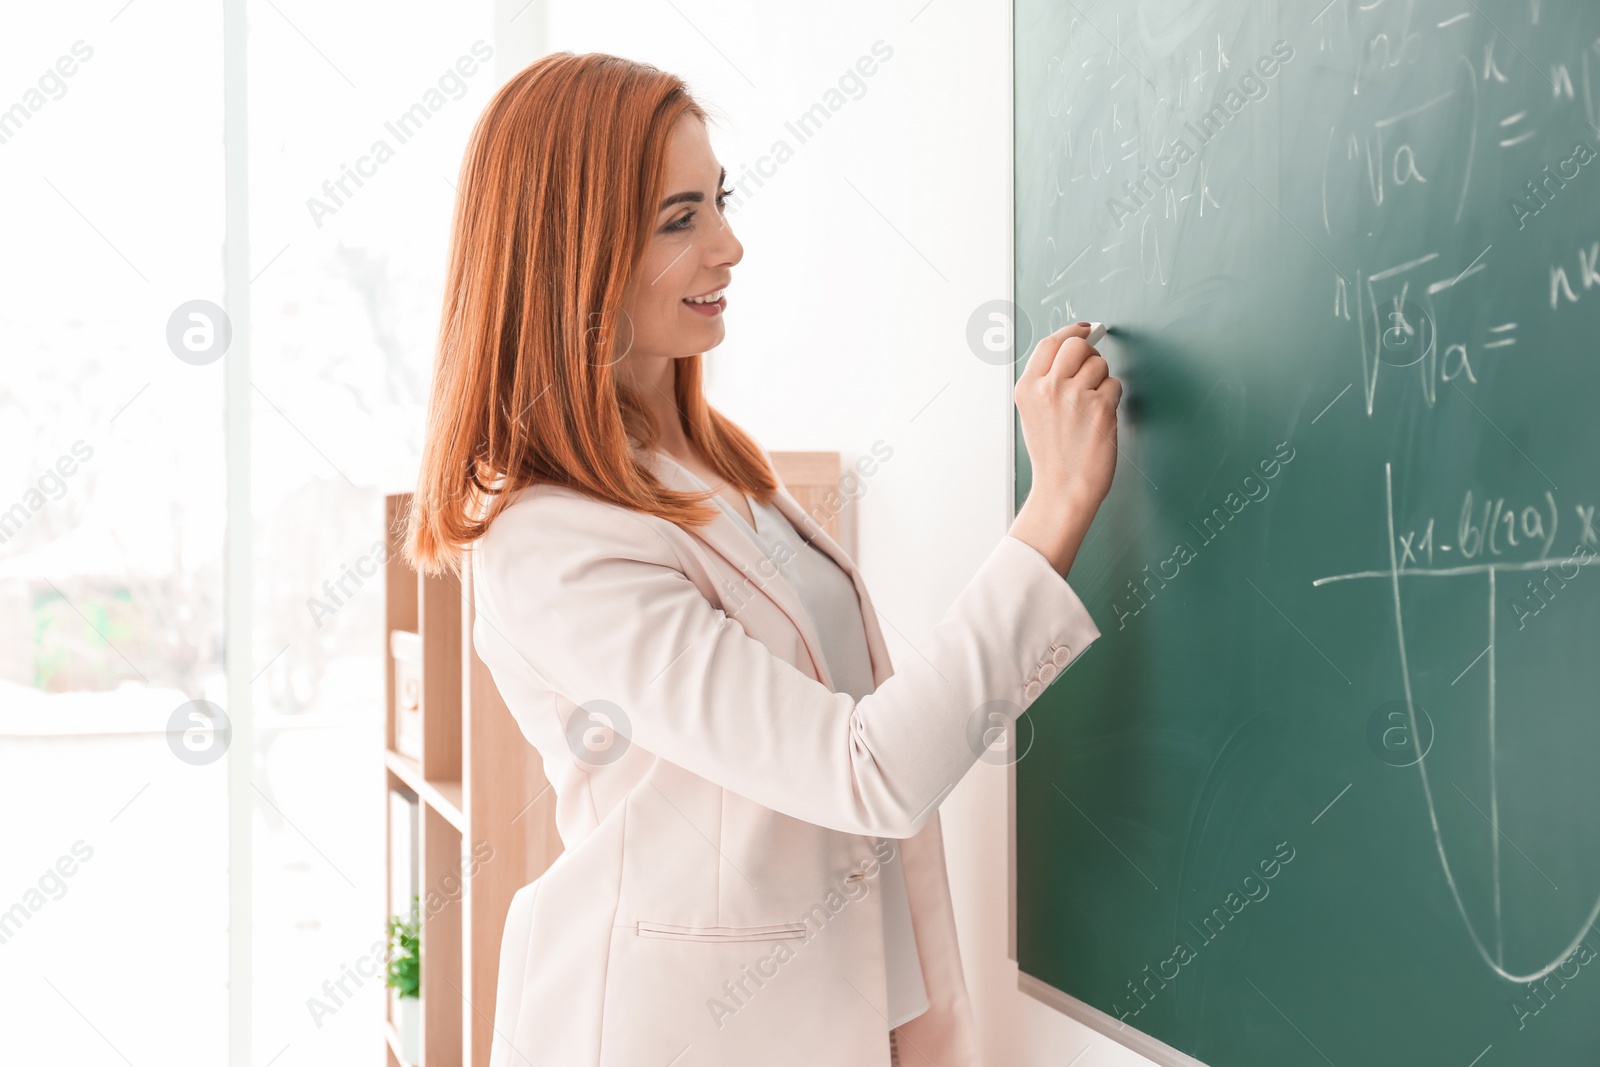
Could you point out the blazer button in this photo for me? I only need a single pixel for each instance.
(1062, 655)
(1032, 690)
(1047, 672)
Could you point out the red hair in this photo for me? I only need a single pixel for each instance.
(554, 210)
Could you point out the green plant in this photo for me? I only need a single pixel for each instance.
(404, 971)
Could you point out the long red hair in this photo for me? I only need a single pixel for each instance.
(554, 210)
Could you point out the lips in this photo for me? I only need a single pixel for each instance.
(709, 310)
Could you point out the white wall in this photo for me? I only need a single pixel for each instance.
(865, 255)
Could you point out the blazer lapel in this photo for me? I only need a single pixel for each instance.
(735, 546)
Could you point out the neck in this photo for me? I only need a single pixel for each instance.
(652, 378)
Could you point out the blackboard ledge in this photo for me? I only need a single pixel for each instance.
(1097, 1020)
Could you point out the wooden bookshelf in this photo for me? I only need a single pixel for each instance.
(487, 814)
(487, 819)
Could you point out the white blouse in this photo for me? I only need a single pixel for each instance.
(830, 599)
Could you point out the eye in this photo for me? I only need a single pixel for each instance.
(683, 224)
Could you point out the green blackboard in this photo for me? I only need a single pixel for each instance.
(1327, 789)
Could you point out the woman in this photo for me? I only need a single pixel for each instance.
(747, 791)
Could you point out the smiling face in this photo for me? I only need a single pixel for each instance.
(691, 254)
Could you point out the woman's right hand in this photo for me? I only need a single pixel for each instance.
(1067, 403)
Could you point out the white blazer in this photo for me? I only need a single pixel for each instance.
(717, 801)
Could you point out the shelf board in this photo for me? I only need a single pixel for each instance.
(405, 768)
(443, 797)
(451, 806)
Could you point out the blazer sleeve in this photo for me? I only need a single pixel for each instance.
(595, 603)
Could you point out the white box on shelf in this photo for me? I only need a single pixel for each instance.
(404, 827)
(406, 647)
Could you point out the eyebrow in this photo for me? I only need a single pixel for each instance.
(692, 198)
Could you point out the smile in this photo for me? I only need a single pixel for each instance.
(710, 305)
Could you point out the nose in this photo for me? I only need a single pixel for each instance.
(725, 249)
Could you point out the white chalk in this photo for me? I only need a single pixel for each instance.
(1097, 331)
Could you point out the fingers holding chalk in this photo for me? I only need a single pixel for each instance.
(1055, 356)
(1047, 355)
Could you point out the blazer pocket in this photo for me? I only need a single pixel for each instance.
(771, 932)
